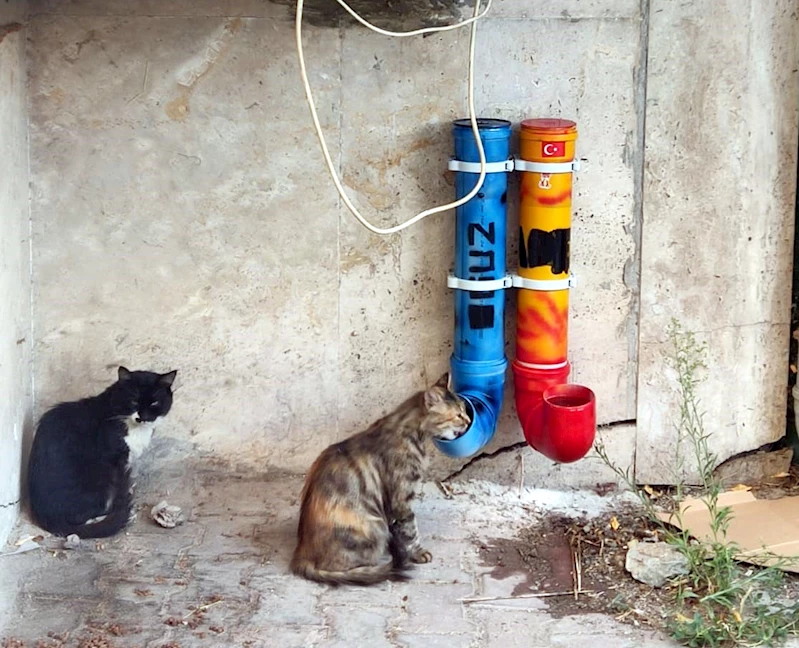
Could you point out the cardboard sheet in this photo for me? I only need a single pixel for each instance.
(756, 526)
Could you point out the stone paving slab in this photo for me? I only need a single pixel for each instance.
(221, 579)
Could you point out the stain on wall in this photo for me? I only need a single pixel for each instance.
(393, 15)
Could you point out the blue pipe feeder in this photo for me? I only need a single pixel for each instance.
(478, 362)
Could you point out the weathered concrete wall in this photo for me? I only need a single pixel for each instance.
(183, 217)
(720, 182)
(15, 304)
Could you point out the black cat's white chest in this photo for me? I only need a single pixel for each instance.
(138, 437)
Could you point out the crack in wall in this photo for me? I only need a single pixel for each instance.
(523, 444)
(640, 79)
(720, 329)
(486, 455)
(10, 504)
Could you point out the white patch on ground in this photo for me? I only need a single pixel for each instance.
(500, 506)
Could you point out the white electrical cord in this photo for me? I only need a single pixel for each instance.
(472, 118)
(415, 32)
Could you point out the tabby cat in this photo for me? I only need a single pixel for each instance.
(79, 468)
(356, 523)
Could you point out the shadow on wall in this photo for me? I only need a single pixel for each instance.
(28, 429)
(394, 15)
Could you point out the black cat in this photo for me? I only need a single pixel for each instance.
(79, 469)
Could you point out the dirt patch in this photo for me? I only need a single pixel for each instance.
(786, 485)
(578, 565)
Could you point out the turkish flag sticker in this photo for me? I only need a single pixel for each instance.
(553, 149)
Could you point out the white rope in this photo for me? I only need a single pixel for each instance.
(472, 118)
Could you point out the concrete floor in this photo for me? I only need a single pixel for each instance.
(231, 555)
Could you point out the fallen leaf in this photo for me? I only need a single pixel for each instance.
(781, 475)
(614, 523)
(793, 368)
(741, 487)
(737, 616)
(651, 492)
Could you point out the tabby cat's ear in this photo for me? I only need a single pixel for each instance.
(445, 381)
(434, 395)
(168, 378)
(124, 374)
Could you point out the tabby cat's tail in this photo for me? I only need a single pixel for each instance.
(115, 520)
(366, 575)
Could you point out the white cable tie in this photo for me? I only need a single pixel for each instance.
(546, 167)
(474, 167)
(546, 285)
(478, 285)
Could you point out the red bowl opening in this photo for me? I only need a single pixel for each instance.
(570, 397)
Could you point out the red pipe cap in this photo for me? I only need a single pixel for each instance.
(549, 126)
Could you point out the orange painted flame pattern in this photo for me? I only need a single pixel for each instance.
(542, 326)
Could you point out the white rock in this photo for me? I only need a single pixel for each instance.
(166, 515)
(654, 563)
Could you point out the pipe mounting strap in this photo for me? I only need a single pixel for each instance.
(543, 284)
(506, 166)
(546, 167)
(473, 285)
(543, 367)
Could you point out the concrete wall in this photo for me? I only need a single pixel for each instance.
(717, 246)
(183, 217)
(15, 305)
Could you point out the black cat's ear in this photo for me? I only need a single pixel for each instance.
(167, 378)
(124, 374)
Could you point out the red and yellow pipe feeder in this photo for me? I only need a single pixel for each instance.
(558, 419)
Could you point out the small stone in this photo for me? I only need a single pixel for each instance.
(72, 541)
(166, 515)
(654, 563)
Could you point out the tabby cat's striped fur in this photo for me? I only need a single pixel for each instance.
(356, 523)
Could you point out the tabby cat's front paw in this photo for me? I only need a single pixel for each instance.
(421, 556)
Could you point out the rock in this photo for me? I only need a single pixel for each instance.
(753, 468)
(166, 515)
(72, 541)
(654, 563)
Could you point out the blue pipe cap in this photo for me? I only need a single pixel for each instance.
(481, 385)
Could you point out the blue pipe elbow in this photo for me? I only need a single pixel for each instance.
(478, 360)
(482, 386)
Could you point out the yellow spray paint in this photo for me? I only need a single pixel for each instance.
(545, 222)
